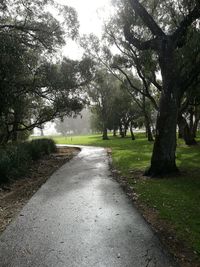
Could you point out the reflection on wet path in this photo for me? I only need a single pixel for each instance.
(81, 217)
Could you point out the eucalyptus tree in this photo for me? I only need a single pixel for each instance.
(129, 73)
(100, 91)
(53, 91)
(189, 116)
(146, 61)
(111, 106)
(33, 88)
(164, 29)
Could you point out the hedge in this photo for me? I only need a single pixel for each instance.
(15, 159)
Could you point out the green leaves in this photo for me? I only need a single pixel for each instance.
(33, 89)
(70, 20)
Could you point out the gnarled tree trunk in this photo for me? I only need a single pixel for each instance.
(163, 159)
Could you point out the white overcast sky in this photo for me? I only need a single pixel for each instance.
(91, 15)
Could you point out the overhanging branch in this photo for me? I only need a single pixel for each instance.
(146, 18)
(186, 22)
(150, 44)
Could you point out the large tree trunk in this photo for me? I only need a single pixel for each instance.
(185, 131)
(163, 159)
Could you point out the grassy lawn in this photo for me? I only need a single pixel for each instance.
(177, 199)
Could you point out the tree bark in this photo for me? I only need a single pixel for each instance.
(132, 134)
(125, 132)
(148, 128)
(196, 122)
(15, 129)
(105, 134)
(121, 131)
(185, 131)
(180, 136)
(41, 132)
(163, 159)
(195, 127)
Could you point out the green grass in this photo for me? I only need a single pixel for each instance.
(177, 199)
(126, 153)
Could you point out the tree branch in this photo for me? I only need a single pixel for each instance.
(188, 20)
(147, 18)
(150, 44)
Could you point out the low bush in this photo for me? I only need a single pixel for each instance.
(40, 147)
(15, 159)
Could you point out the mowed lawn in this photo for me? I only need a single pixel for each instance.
(176, 198)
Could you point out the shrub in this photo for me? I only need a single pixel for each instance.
(15, 159)
(20, 160)
(41, 147)
(5, 162)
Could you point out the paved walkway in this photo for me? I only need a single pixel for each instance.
(81, 218)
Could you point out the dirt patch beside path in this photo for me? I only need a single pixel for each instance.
(15, 195)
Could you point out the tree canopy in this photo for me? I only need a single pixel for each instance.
(33, 87)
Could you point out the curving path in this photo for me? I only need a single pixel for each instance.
(81, 218)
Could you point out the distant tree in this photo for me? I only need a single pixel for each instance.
(100, 92)
(112, 106)
(79, 124)
(189, 116)
(129, 69)
(96, 122)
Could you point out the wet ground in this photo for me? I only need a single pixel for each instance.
(81, 217)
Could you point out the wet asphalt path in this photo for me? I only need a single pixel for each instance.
(81, 218)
